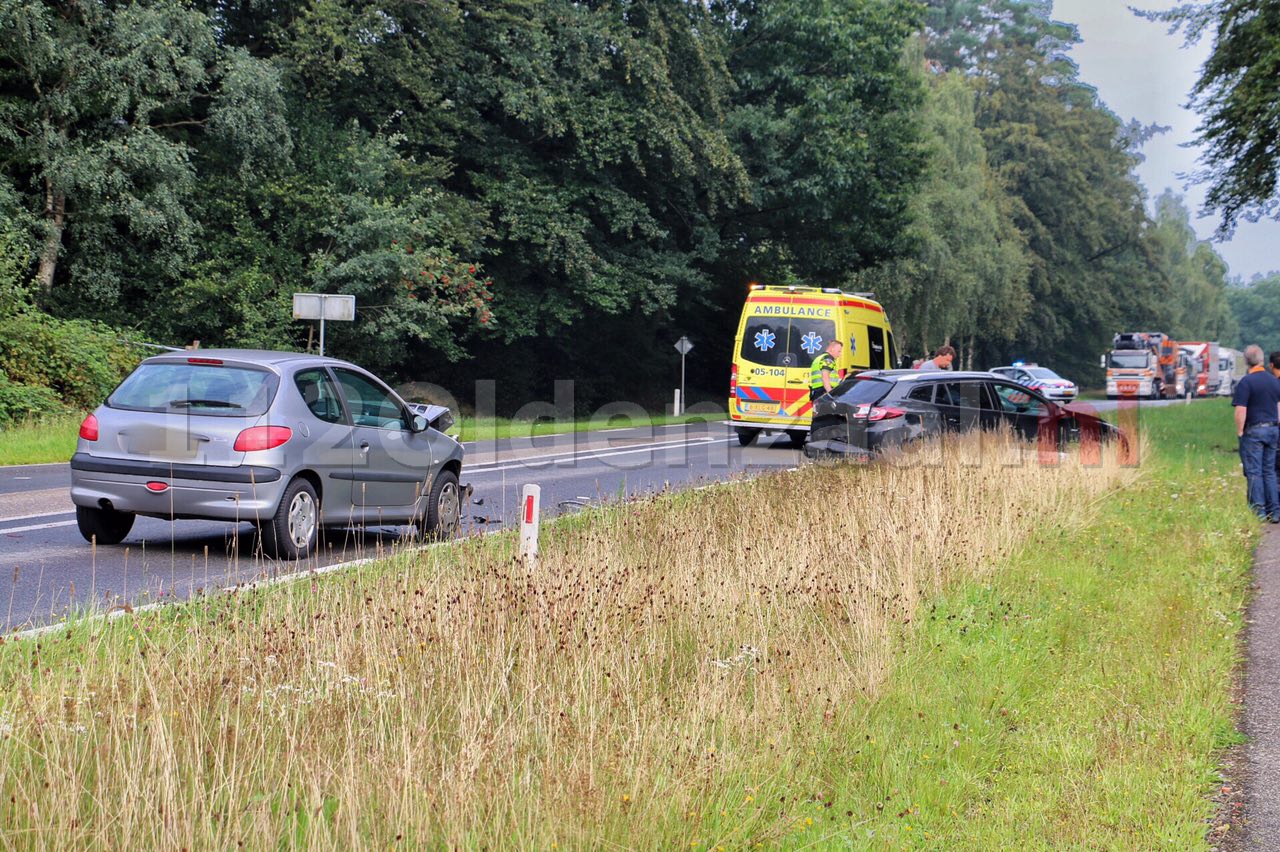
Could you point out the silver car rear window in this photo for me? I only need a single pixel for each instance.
(205, 389)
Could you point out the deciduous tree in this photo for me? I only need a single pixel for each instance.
(101, 107)
(1239, 104)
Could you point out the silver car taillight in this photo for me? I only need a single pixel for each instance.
(262, 438)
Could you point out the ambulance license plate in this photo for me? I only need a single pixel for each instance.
(762, 407)
(1127, 387)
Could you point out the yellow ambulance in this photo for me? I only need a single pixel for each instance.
(781, 331)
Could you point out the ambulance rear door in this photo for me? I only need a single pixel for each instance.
(868, 341)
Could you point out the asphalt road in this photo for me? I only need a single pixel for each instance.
(47, 569)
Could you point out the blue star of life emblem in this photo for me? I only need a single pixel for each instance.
(811, 342)
(765, 340)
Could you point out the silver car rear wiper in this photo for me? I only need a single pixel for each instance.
(206, 403)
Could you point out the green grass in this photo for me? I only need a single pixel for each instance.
(55, 440)
(39, 442)
(1081, 697)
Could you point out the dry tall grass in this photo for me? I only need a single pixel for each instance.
(664, 660)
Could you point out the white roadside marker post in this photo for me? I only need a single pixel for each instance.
(530, 508)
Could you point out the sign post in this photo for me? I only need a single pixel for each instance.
(682, 346)
(324, 306)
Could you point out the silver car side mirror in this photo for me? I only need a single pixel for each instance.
(437, 417)
(419, 423)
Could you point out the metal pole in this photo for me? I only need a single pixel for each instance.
(322, 327)
(683, 402)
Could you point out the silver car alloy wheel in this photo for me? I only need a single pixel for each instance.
(302, 519)
(448, 506)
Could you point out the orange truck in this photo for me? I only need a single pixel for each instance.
(1206, 355)
(1146, 364)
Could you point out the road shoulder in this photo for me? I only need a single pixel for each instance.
(1249, 802)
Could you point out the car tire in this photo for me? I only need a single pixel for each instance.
(293, 531)
(797, 437)
(444, 508)
(106, 526)
(747, 437)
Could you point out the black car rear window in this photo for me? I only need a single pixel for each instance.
(858, 391)
(205, 389)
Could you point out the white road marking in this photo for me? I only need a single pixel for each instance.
(583, 453)
(31, 527)
(37, 515)
(647, 448)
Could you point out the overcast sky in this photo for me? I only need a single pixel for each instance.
(1143, 73)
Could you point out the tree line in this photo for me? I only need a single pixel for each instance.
(538, 189)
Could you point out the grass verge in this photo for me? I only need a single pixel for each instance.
(966, 654)
(1080, 699)
(39, 442)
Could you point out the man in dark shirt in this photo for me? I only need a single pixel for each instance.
(1257, 404)
(1275, 371)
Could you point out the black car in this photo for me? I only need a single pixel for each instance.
(880, 410)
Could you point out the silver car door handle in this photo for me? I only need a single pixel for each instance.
(364, 446)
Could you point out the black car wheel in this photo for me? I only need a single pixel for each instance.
(444, 507)
(797, 437)
(747, 437)
(106, 526)
(294, 529)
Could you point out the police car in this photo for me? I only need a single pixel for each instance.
(1041, 379)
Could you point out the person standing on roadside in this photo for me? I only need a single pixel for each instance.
(1257, 407)
(1275, 371)
(823, 373)
(941, 359)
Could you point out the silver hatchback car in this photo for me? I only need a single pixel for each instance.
(290, 442)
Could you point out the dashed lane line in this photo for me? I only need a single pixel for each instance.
(31, 527)
(54, 514)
